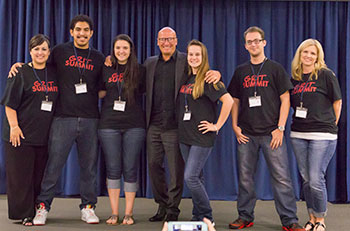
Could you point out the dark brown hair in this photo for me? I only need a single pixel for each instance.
(131, 78)
(38, 40)
(255, 29)
(81, 18)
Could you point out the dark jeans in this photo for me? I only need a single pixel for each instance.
(161, 143)
(64, 132)
(122, 149)
(25, 167)
(195, 158)
(313, 157)
(277, 163)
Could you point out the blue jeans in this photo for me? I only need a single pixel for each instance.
(277, 163)
(63, 133)
(195, 158)
(122, 150)
(313, 157)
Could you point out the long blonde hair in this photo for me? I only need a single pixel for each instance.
(198, 88)
(297, 68)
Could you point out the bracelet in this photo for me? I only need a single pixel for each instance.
(14, 127)
(217, 131)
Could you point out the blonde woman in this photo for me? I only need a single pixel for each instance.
(198, 125)
(316, 100)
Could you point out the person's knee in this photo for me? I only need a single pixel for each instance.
(191, 180)
(130, 175)
(316, 184)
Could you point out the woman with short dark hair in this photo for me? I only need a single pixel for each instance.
(29, 100)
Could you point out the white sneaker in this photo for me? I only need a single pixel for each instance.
(88, 215)
(40, 215)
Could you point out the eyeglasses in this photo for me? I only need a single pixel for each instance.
(255, 41)
(170, 39)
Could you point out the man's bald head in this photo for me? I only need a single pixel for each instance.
(167, 42)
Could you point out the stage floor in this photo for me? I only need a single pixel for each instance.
(65, 215)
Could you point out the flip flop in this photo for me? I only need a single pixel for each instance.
(28, 221)
(113, 217)
(128, 218)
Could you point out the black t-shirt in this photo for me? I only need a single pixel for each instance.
(203, 108)
(318, 97)
(69, 103)
(272, 82)
(24, 93)
(133, 116)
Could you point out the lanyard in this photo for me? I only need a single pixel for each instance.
(81, 72)
(120, 88)
(256, 80)
(302, 92)
(186, 103)
(42, 85)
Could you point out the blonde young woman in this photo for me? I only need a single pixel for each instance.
(198, 125)
(316, 100)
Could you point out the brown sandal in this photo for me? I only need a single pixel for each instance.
(113, 218)
(128, 218)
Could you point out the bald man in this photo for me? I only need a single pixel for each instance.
(164, 75)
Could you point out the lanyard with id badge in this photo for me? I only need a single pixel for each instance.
(301, 112)
(80, 87)
(46, 105)
(187, 113)
(255, 101)
(119, 105)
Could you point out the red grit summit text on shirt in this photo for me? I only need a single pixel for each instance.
(116, 78)
(37, 86)
(251, 81)
(187, 89)
(82, 62)
(304, 87)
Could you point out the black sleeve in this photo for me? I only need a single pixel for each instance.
(51, 59)
(333, 88)
(282, 80)
(13, 92)
(101, 76)
(101, 82)
(233, 87)
(214, 94)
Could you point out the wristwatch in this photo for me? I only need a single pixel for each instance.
(281, 128)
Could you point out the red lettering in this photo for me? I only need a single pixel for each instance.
(251, 81)
(81, 62)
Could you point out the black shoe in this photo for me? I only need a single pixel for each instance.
(171, 217)
(160, 215)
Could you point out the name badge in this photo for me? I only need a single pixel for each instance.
(255, 101)
(187, 116)
(46, 105)
(80, 88)
(301, 112)
(119, 105)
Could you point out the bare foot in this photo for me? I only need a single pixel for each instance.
(113, 220)
(209, 224)
(128, 220)
(165, 226)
